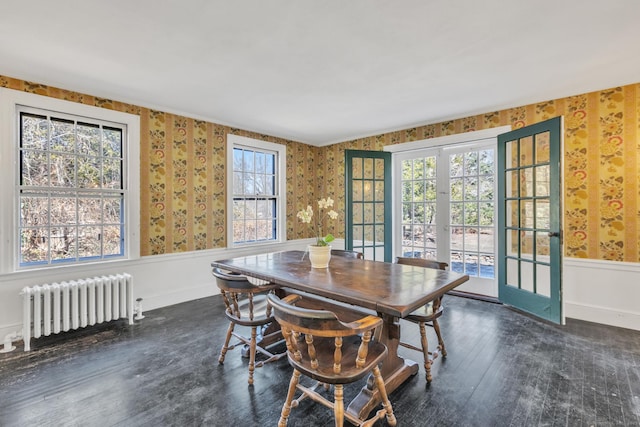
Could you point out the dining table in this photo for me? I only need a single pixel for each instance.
(391, 290)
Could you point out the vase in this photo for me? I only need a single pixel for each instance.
(319, 256)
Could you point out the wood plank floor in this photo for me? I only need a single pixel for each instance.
(503, 369)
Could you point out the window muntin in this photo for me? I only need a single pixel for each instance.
(256, 189)
(71, 191)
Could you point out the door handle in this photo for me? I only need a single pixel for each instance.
(553, 234)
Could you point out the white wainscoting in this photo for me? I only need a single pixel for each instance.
(602, 291)
(596, 291)
(160, 280)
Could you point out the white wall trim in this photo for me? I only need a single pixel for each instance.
(440, 141)
(160, 280)
(601, 291)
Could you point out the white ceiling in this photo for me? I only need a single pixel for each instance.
(323, 71)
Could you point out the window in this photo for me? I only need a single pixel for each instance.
(76, 195)
(257, 203)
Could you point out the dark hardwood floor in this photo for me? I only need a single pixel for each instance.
(503, 369)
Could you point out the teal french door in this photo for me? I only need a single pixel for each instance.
(529, 219)
(368, 203)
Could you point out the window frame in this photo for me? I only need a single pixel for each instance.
(10, 102)
(280, 150)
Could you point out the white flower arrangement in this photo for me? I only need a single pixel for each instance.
(306, 216)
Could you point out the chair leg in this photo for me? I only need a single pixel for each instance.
(386, 404)
(425, 351)
(286, 408)
(338, 405)
(225, 346)
(252, 353)
(436, 327)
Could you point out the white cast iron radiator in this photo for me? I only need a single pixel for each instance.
(59, 307)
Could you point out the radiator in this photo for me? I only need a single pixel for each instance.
(60, 307)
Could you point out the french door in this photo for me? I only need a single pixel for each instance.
(368, 203)
(529, 219)
(445, 210)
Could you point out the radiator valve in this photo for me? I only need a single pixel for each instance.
(8, 346)
(138, 309)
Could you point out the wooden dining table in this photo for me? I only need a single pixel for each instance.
(391, 290)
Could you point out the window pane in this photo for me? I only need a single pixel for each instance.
(63, 170)
(63, 243)
(113, 210)
(34, 245)
(456, 165)
(112, 240)
(112, 173)
(89, 242)
(471, 188)
(88, 139)
(34, 168)
(34, 211)
(89, 210)
(63, 210)
(112, 145)
(63, 138)
(35, 132)
(471, 163)
(88, 172)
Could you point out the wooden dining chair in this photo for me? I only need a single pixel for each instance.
(246, 305)
(426, 315)
(329, 351)
(347, 254)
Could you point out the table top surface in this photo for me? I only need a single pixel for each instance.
(393, 289)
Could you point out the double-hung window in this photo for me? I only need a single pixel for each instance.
(256, 186)
(72, 185)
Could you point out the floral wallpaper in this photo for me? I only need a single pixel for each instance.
(183, 170)
(183, 179)
(601, 163)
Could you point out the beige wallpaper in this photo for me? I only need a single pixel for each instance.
(183, 170)
(601, 163)
(183, 175)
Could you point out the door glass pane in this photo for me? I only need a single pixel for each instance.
(512, 154)
(542, 214)
(513, 213)
(358, 213)
(379, 213)
(368, 188)
(543, 285)
(511, 183)
(457, 238)
(542, 181)
(526, 279)
(512, 272)
(542, 245)
(357, 190)
(526, 151)
(368, 168)
(471, 239)
(487, 239)
(542, 147)
(379, 168)
(356, 168)
(379, 190)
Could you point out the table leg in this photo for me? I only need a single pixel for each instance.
(395, 370)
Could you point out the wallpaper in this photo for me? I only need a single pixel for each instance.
(183, 183)
(183, 170)
(601, 162)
